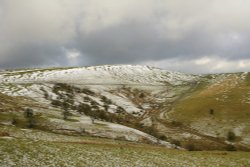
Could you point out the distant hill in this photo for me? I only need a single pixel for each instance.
(134, 103)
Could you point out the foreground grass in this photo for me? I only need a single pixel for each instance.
(21, 152)
(32, 147)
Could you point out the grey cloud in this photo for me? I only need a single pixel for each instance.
(33, 55)
(134, 42)
(42, 33)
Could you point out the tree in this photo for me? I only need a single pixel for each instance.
(92, 120)
(28, 113)
(65, 114)
(31, 122)
(142, 95)
(106, 107)
(14, 121)
(119, 109)
(211, 111)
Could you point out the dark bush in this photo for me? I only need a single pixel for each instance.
(162, 137)
(175, 142)
(120, 109)
(87, 99)
(231, 136)
(106, 107)
(211, 112)
(28, 113)
(94, 103)
(4, 134)
(31, 122)
(106, 100)
(14, 121)
(63, 87)
(46, 95)
(176, 123)
(231, 147)
(88, 92)
(84, 108)
(142, 95)
(190, 147)
(65, 114)
(56, 103)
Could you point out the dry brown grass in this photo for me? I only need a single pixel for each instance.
(2, 134)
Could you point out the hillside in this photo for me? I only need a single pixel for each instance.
(132, 103)
(217, 106)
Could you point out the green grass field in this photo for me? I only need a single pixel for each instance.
(14, 152)
(228, 100)
(30, 147)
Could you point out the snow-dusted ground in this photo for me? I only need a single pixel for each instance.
(105, 129)
(98, 75)
(103, 80)
(30, 153)
(122, 85)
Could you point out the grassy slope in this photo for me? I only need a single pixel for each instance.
(38, 148)
(29, 149)
(227, 99)
(8, 103)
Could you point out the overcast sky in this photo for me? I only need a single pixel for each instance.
(194, 36)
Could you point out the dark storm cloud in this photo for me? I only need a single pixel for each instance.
(134, 42)
(193, 36)
(33, 56)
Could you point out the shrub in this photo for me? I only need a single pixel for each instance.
(230, 147)
(211, 112)
(106, 100)
(65, 105)
(162, 137)
(56, 103)
(84, 108)
(94, 103)
(14, 121)
(46, 95)
(190, 147)
(86, 99)
(142, 95)
(175, 142)
(28, 113)
(120, 109)
(176, 123)
(88, 92)
(65, 114)
(4, 134)
(106, 107)
(61, 86)
(31, 122)
(231, 136)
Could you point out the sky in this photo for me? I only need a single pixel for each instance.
(194, 36)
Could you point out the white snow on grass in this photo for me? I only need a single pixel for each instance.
(117, 74)
(135, 135)
(99, 79)
(122, 102)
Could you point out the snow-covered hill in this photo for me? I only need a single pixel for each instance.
(171, 106)
(124, 91)
(98, 75)
(113, 82)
